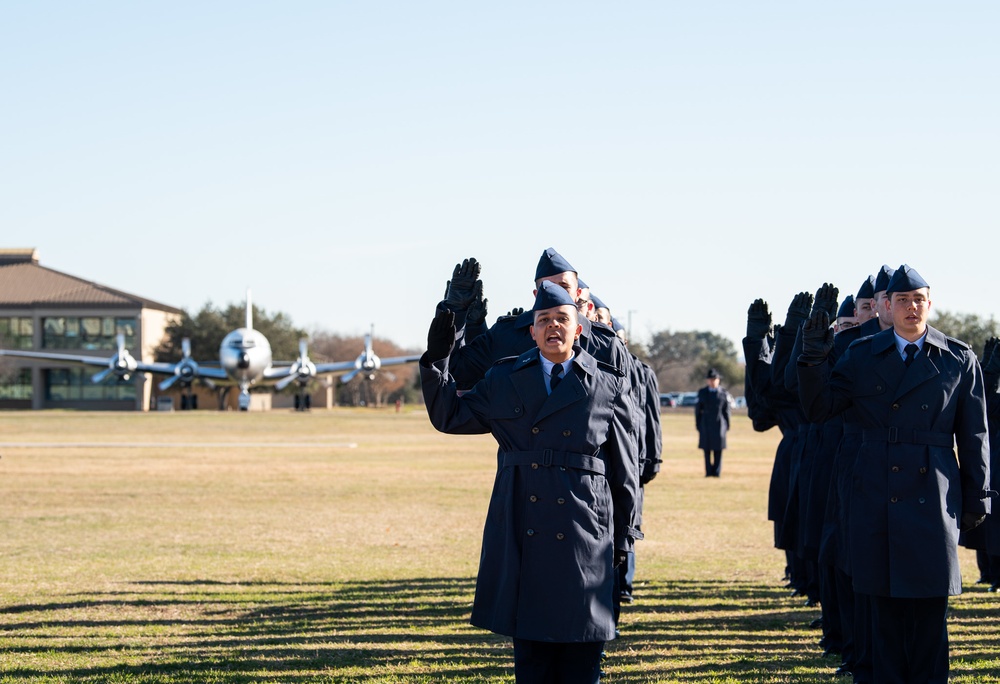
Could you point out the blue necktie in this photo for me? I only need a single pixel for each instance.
(555, 376)
(911, 351)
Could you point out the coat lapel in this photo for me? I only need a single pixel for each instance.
(923, 367)
(571, 389)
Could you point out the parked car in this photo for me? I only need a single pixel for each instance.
(667, 401)
(688, 399)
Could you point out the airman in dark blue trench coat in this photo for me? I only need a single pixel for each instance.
(910, 493)
(564, 499)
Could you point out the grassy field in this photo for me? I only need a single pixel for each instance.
(342, 546)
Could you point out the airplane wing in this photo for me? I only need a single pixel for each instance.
(128, 363)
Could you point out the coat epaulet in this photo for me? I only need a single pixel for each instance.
(610, 368)
(952, 341)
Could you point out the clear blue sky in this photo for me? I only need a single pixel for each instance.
(340, 158)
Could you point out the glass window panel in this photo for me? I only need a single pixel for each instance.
(73, 327)
(108, 326)
(27, 326)
(91, 326)
(54, 326)
(4, 326)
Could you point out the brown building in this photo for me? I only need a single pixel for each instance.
(45, 310)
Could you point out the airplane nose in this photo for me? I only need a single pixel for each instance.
(244, 361)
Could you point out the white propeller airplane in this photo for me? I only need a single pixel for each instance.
(244, 361)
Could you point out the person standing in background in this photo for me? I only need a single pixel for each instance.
(711, 417)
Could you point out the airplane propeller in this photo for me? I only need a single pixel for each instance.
(367, 362)
(186, 369)
(302, 370)
(122, 364)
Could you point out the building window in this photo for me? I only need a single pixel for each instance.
(74, 384)
(89, 332)
(16, 384)
(16, 332)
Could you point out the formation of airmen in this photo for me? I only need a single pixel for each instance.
(882, 469)
(577, 421)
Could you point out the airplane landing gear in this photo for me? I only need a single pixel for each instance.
(303, 402)
(244, 400)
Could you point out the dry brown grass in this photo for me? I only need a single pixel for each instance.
(266, 549)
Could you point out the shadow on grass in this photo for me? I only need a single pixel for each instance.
(415, 630)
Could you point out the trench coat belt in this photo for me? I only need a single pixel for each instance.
(550, 457)
(909, 436)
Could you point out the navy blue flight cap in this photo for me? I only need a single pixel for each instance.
(616, 325)
(552, 263)
(846, 308)
(882, 279)
(867, 289)
(550, 296)
(582, 285)
(905, 279)
(598, 304)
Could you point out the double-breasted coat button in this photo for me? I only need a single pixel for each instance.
(922, 500)
(924, 407)
(535, 430)
(895, 469)
(532, 498)
(923, 470)
(895, 407)
(531, 533)
(894, 500)
(560, 536)
(878, 387)
(534, 466)
(560, 501)
(566, 433)
(517, 409)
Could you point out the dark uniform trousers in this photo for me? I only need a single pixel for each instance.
(912, 634)
(543, 662)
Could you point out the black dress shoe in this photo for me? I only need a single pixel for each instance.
(831, 652)
(994, 587)
(626, 597)
(818, 622)
(842, 671)
(811, 602)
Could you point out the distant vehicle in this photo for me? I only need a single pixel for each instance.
(667, 400)
(740, 402)
(688, 399)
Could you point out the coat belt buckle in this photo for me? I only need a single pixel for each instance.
(893, 435)
(547, 458)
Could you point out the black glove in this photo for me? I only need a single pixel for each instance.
(826, 300)
(461, 289)
(620, 557)
(971, 520)
(798, 310)
(817, 339)
(476, 313)
(516, 311)
(441, 336)
(991, 357)
(758, 320)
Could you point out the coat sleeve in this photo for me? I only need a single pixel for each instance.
(972, 439)
(621, 454)
(653, 456)
(823, 392)
(449, 412)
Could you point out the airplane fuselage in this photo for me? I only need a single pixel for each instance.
(245, 354)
